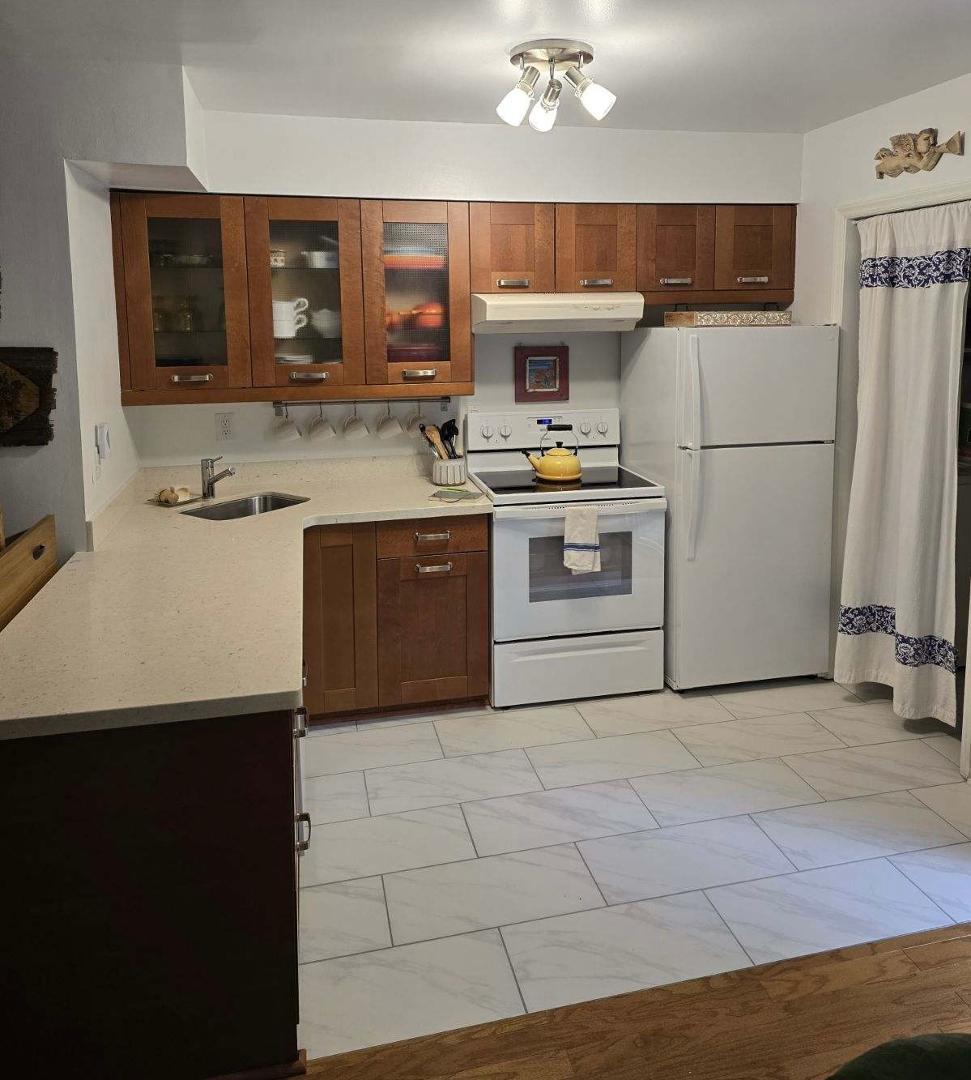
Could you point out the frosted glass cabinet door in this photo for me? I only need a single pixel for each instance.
(416, 292)
(306, 308)
(185, 291)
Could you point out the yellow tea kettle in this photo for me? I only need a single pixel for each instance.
(557, 463)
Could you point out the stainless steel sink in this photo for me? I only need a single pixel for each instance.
(248, 507)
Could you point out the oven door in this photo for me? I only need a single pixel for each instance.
(535, 596)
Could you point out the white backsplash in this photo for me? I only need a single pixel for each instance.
(182, 434)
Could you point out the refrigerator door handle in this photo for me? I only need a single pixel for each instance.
(693, 502)
(693, 441)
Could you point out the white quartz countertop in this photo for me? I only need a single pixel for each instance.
(173, 617)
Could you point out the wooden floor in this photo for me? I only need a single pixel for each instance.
(793, 1020)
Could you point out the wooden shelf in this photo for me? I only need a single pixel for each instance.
(208, 395)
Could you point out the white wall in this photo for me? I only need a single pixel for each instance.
(182, 434)
(54, 112)
(96, 340)
(381, 158)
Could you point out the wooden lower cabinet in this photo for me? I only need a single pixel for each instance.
(396, 613)
(433, 630)
(340, 614)
(149, 901)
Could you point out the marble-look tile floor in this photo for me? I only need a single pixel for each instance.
(475, 865)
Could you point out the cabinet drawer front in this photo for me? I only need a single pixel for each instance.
(431, 536)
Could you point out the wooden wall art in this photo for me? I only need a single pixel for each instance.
(26, 396)
(542, 373)
(918, 152)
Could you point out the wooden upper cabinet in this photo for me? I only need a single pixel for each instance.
(512, 247)
(754, 247)
(340, 618)
(675, 249)
(305, 253)
(417, 299)
(596, 247)
(185, 291)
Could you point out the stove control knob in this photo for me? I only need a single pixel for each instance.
(505, 431)
(485, 431)
(584, 428)
(602, 427)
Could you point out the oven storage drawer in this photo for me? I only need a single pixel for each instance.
(562, 669)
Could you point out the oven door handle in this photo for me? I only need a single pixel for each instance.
(554, 511)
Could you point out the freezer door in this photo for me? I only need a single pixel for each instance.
(740, 386)
(749, 568)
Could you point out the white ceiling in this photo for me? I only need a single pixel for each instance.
(702, 65)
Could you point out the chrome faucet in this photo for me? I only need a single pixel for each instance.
(210, 479)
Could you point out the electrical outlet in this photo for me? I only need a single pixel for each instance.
(224, 426)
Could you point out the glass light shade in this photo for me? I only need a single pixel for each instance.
(597, 100)
(543, 114)
(514, 106)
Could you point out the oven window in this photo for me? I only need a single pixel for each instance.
(549, 579)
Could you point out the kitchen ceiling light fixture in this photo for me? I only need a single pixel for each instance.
(563, 56)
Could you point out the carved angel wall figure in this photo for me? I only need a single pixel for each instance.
(918, 152)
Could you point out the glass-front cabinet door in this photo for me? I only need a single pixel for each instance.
(185, 283)
(416, 292)
(306, 308)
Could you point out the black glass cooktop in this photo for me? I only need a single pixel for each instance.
(599, 477)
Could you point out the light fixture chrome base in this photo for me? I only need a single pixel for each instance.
(541, 52)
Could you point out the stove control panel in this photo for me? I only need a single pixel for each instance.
(523, 430)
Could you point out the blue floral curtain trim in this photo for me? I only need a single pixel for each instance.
(911, 651)
(916, 271)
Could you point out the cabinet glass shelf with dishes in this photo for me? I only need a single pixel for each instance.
(416, 291)
(305, 271)
(188, 298)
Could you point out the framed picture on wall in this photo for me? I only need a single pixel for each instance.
(542, 373)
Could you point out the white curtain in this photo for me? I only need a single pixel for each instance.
(896, 623)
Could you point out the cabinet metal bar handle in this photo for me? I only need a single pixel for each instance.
(435, 568)
(419, 373)
(308, 376)
(422, 538)
(300, 820)
(760, 280)
(512, 283)
(191, 378)
(593, 282)
(674, 281)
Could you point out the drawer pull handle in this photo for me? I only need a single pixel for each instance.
(435, 568)
(191, 379)
(512, 283)
(303, 844)
(759, 280)
(38, 551)
(428, 538)
(308, 376)
(675, 281)
(419, 373)
(596, 282)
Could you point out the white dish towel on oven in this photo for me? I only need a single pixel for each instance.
(581, 539)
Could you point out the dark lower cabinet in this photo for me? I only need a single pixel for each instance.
(396, 613)
(148, 907)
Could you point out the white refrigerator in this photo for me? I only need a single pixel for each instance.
(738, 425)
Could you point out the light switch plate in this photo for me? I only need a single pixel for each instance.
(102, 441)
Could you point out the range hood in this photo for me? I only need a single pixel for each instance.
(500, 313)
